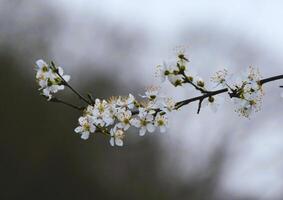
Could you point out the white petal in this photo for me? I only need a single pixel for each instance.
(60, 70)
(119, 125)
(61, 87)
(150, 127)
(41, 63)
(81, 120)
(92, 129)
(126, 127)
(46, 92)
(79, 129)
(149, 117)
(85, 135)
(111, 141)
(162, 129)
(67, 78)
(135, 122)
(142, 131)
(119, 142)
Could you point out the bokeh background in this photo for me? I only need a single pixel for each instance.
(111, 47)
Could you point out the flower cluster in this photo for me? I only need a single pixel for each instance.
(246, 91)
(50, 78)
(177, 73)
(115, 116)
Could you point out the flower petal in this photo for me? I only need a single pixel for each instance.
(79, 129)
(119, 142)
(85, 135)
(111, 141)
(142, 131)
(150, 127)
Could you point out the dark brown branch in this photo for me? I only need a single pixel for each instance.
(69, 86)
(199, 105)
(274, 78)
(187, 101)
(56, 100)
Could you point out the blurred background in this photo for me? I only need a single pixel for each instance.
(111, 47)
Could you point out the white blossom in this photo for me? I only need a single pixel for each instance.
(162, 71)
(124, 116)
(161, 121)
(167, 104)
(117, 136)
(152, 92)
(128, 102)
(175, 80)
(86, 127)
(170, 71)
(144, 122)
(102, 114)
(250, 93)
(49, 81)
(220, 77)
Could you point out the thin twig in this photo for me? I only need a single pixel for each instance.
(187, 101)
(69, 86)
(56, 100)
(187, 80)
(199, 105)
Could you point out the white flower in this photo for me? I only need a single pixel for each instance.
(220, 77)
(167, 105)
(180, 52)
(162, 71)
(117, 136)
(124, 116)
(246, 107)
(175, 80)
(152, 92)
(61, 72)
(102, 114)
(42, 73)
(86, 127)
(249, 92)
(126, 101)
(144, 122)
(89, 110)
(47, 91)
(161, 121)
(49, 81)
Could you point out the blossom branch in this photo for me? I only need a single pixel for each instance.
(116, 115)
(217, 92)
